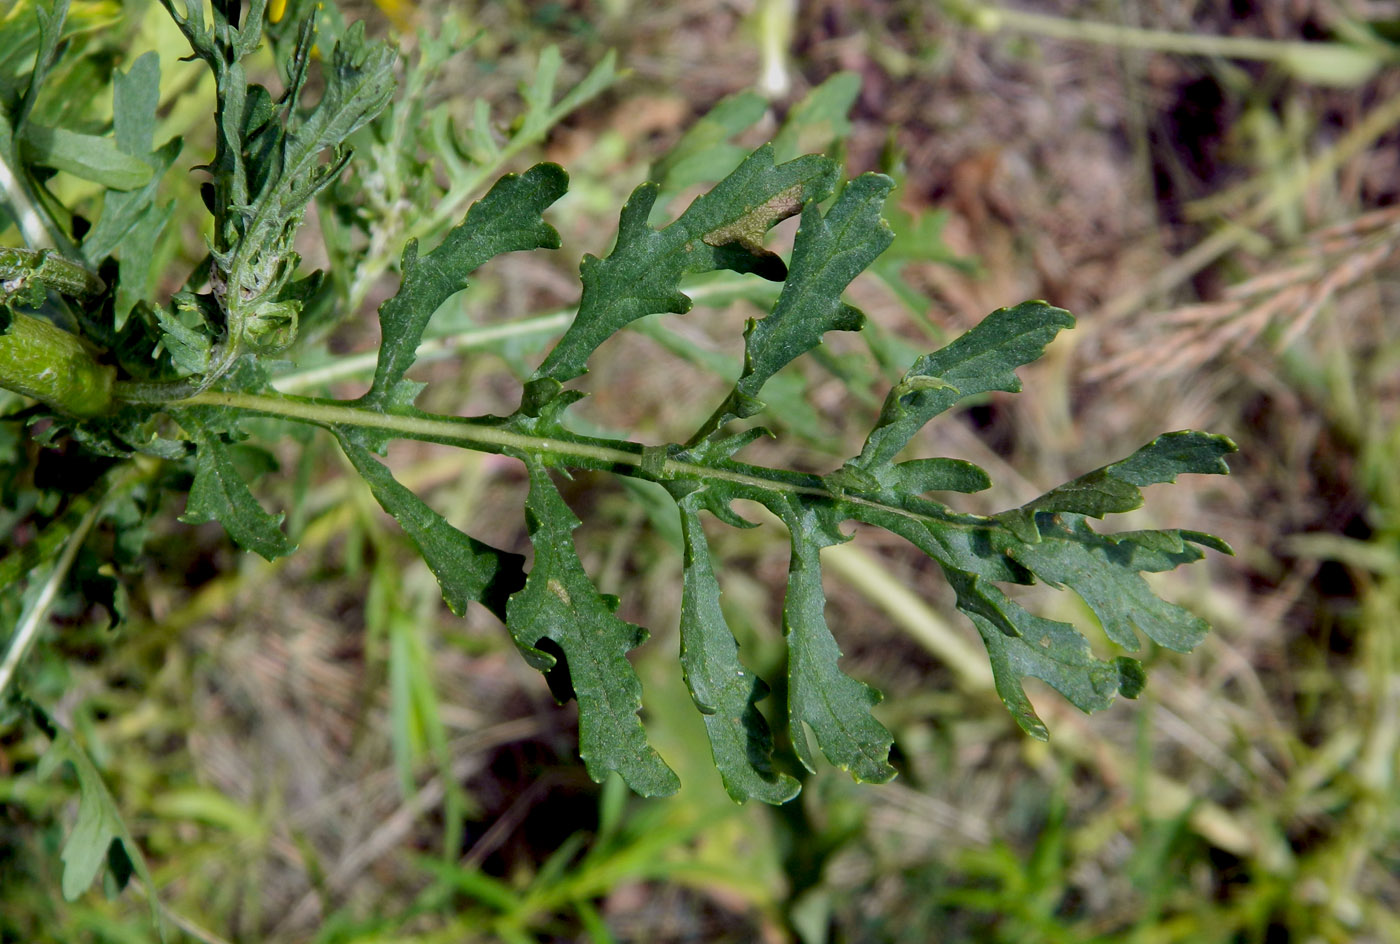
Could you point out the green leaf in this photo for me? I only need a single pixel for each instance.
(189, 347)
(1104, 570)
(359, 83)
(466, 569)
(87, 156)
(1115, 488)
(1021, 644)
(724, 690)
(99, 835)
(559, 603)
(829, 252)
(135, 98)
(507, 219)
(137, 277)
(820, 122)
(820, 695)
(541, 111)
(982, 360)
(275, 155)
(704, 151)
(124, 210)
(718, 231)
(221, 494)
(132, 220)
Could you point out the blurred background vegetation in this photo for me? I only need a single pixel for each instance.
(315, 750)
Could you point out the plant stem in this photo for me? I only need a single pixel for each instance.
(428, 427)
(22, 209)
(624, 458)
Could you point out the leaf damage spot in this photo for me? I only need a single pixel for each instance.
(749, 228)
(557, 588)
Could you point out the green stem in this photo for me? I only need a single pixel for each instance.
(153, 392)
(479, 436)
(17, 201)
(624, 458)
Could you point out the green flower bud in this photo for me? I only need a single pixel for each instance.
(42, 361)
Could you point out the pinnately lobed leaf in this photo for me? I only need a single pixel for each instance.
(641, 276)
(724, 690)
(565, 627)
(559, 603)
(220, 493)
(208, 372)
(274, 156)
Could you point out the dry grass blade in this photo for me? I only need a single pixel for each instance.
(1276, 307)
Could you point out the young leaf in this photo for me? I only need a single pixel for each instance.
(704, 151)
(820, 122)
(725, 692)
(87, 156)
(132, 220)
(359, 84)
(559, 603)
(598, 79)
